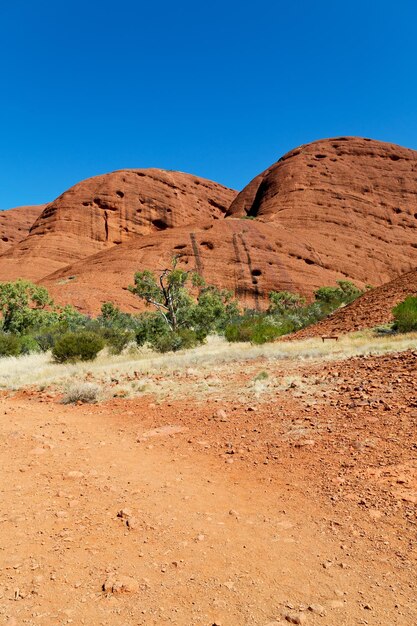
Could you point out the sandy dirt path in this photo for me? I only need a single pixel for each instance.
(200, 540)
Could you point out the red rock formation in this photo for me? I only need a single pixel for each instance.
(104, 211)
(342, 208)
(15, 224)
(249, 257)
(352, 201)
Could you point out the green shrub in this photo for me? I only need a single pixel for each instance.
(256, 330)
(238, 331)
(78, 346)
(28, 344)
(117, 338)
(264, 332)
(405, 315)
(182, 339)
(149, 325)
(9, 345)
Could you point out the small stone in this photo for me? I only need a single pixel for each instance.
(132, 523)
(220, 414)
(200, 537)
(124, 513)
(73, 475)
(120, 584)
(317, 608)
(295, 618)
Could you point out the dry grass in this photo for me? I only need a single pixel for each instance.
(82, 392)
(39, 370)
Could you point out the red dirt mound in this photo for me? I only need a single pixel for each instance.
(371, 309)
(104, 211)
(15, 224)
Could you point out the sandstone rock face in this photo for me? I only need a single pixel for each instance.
(353, 201)
(373, 308)
(15, 224)
(104, 211)
(248, 257)
(343, 208)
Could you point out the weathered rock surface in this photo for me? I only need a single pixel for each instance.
(104, 211)
(249, 257)
(15, 224)
(343, 208)
(352, 200)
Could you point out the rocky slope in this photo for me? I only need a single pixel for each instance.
(373, 308)
(104, 211)
(15, 224)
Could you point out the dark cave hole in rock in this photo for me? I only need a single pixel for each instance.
(159, 224)
(120, 194)
(207, 244)
(256, 272)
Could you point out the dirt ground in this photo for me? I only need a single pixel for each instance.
(283, 493)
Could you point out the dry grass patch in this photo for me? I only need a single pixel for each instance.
(158, 374)
(82, 392)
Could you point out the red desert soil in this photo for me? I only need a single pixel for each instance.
(373, 308)
(341, 208)
(15, 224)
(103, 211)
(293, 506)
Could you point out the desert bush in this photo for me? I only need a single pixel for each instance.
(9, 345)
(256, 330)
(282, 302)
(77, 346)
(171, 341)
(149, 325)
(28, 344)
(405, 315)
(117, 338)
(81, 392)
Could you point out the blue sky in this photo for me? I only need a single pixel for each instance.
(218, 89)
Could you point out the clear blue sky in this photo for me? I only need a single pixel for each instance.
(220, 89)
